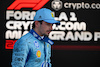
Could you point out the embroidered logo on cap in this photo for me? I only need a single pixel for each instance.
(52, 15)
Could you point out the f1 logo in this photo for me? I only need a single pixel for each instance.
(35, 4)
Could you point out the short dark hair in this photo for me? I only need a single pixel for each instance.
(33, 25)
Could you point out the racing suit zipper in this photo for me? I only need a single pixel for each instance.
(44, 54)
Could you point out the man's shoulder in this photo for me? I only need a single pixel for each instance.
(26, 38)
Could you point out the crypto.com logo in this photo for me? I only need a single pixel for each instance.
(56, 5)
(35, 4)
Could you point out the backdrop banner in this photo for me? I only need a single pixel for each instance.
(79, 28)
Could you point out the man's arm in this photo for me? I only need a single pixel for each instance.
(20, 53)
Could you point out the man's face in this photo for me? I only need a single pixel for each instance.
(45, 28)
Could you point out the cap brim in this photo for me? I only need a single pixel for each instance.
(52, 21)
